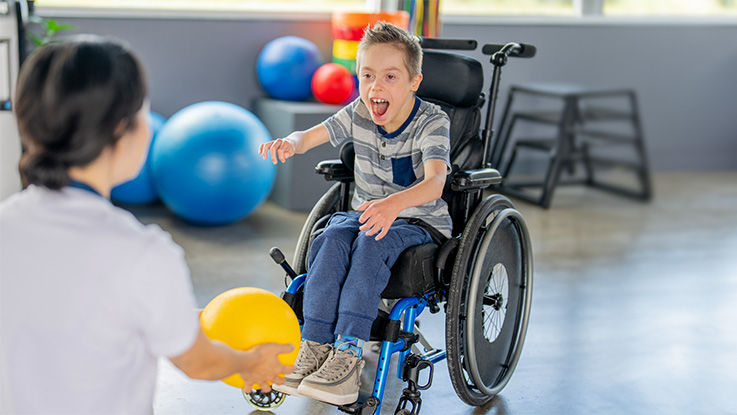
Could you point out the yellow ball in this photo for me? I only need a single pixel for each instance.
(245, 317)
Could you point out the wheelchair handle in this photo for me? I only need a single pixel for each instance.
(442, 43)
(278, 257)
(512, 50)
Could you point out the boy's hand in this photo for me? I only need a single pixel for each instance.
(262, 366)
(283, 148)
(378, 216)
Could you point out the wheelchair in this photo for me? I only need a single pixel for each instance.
(481, 276)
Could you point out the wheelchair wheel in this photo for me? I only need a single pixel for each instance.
(264, 401)
(327, 205)
(488, 301)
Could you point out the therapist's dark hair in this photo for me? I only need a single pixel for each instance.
(74, 99)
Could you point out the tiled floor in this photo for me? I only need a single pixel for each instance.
(634, 308)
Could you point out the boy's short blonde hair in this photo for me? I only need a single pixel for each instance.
(383, 32)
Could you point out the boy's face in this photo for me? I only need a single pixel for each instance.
(385, 85)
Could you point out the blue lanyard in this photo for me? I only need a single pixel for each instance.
(83, 186)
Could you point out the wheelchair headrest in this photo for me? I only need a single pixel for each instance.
(451, 78)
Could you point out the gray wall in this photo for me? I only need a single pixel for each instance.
(684, 73)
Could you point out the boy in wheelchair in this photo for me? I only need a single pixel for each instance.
(401, 162)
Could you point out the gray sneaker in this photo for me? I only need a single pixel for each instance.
(310, 357)
(337, 381)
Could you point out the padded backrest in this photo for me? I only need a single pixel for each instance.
(454, 79)
(454, 82)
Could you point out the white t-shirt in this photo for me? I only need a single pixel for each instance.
(89, 298)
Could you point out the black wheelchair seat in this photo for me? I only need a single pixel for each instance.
(413, 275)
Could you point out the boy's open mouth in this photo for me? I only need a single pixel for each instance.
(379, 106)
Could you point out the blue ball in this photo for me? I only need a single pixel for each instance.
(206, 166)
(141, 190)
(285, 67)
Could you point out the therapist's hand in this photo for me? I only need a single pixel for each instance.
(261, 366)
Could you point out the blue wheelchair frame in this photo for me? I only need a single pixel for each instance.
(411, 307)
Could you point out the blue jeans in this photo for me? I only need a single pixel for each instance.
(347, 271)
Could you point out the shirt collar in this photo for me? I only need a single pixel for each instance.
(84, 186)
(404, 125)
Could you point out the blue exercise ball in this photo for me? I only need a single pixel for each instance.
(206, 166)
(285, 67)
(141, 189)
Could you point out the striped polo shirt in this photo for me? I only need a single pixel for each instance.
(388, 163)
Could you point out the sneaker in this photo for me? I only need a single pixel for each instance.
(310, 357)
(337, 381)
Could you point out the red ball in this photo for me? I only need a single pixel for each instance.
(332, 84)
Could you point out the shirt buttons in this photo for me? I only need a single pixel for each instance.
(383, 144)
(382, 157)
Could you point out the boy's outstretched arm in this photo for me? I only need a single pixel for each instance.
(298, 142)
(379, 214)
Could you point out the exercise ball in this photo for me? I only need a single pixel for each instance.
(332, 84)
(285, 67)
(141, 189)
(245, 317)
(205, 163)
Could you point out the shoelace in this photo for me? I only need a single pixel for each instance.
(309, 360)
(337, 364)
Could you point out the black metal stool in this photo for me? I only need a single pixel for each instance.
(579, 131)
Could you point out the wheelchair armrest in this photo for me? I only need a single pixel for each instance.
(466, 180)
(334, 170)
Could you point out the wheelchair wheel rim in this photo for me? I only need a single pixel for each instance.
(500, 355)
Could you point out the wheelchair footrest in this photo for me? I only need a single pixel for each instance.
(361, 408)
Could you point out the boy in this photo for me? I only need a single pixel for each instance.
(402, 159)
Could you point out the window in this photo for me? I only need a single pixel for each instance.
(317, 6)
(447, 7)
(508, 7)
(670, 7)
(454, 7)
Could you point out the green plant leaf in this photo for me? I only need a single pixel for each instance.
(35, 39)
(52, 25)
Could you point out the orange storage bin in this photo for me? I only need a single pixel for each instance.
(347, 29)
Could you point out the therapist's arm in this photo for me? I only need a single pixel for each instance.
(212, 360)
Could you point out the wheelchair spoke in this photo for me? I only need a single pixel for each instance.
(495, 302)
